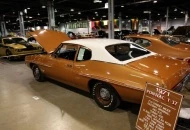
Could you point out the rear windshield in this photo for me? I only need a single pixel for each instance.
(126, 51)
(170, 40)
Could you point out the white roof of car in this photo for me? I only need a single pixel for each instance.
(99, 52)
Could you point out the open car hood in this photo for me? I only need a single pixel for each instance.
(49, 39)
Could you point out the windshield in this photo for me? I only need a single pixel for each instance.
(14, 40)
(170, 40)
(126, 51)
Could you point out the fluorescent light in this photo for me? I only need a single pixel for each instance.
(30, 17)
(122, 6)
(155, 1)
(97, 1)
(106, 6)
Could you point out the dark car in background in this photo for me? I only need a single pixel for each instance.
(183, 33)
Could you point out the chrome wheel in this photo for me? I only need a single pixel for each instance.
(104, 94)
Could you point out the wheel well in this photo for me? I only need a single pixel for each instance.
(31, 65)
(91, 84)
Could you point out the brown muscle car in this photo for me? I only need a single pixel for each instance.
(111, 70)
(166, 45)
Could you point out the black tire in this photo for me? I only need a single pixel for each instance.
(8, 53)
(38, 75)
(105, 96)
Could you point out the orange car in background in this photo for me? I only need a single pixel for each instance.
(111, 70)
(166, 45)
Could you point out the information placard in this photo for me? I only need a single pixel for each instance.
(159, 109)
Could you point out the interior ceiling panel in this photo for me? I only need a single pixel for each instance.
(86, 9)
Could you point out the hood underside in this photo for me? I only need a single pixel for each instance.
(49, 39)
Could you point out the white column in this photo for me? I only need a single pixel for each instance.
(51, 14)
(186, 18)
(111, 18)
(167, 15)
(21, 22)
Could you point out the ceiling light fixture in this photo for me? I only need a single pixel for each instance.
(38, 13)
(96, 12)
(79, 12)
(72, 9)
(155, 1)
(175, 9)
(126, 16)
(43, 6)
(158, 14)
(175, 18)
(106, 6)
(104, 16)
(122, 6)
(55, 11)
(182, 12)
(28, 8)
(97, 1)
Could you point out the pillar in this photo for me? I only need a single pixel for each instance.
(111, 18)
(51, 14)
(167, 15)
(186, 18)
(21, 22)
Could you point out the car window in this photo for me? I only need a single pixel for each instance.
(67, 51)
(14, 40)
(143, 42)
(126, 51)
(170, 40)
(84, 54)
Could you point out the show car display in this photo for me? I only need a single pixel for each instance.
(111, 70)
(17, 46)
(166, 45)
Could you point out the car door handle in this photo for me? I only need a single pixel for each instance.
(68, 65)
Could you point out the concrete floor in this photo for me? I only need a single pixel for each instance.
(26, 104)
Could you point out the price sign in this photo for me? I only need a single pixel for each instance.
(159, 109)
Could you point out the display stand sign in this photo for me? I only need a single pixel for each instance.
(159, 109)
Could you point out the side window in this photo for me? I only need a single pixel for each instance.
(67, 51)
(84, 54)
(143, 42)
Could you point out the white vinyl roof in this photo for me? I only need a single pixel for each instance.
(99, 53)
